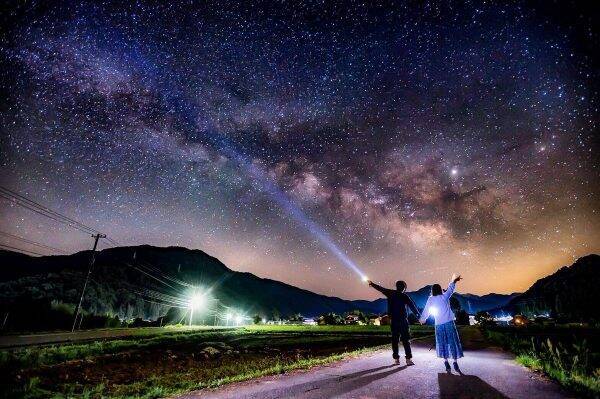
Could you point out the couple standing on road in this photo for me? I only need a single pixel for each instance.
(447, 341)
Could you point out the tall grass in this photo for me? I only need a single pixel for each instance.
(572, 364)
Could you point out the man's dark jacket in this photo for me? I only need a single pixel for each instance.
(397, 303)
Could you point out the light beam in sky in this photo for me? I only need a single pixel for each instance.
(188, 110)
(269, 187)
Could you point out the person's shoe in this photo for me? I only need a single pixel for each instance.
(396, 361)
(456, 368)
(448, 369)
(409, 362)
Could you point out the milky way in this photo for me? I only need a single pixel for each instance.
(423, 139)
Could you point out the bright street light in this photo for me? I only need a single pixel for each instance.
(228, 316)
(238, 320)
(196, 301)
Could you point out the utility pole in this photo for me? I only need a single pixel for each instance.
(96, 237)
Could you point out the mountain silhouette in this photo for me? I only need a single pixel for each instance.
(145, 281)
(569, 294)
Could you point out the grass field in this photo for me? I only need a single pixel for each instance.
(155, 365)
(570, 356)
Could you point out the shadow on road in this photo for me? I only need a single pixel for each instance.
(466, 387)
(341, 384)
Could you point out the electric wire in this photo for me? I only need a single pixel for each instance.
(21, 250)
(40, 209)
(25, 240)
(45, 211)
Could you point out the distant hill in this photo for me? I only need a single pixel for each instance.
(125, 282)
(569, 294)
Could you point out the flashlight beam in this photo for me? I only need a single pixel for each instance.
(189, 111)
(269, 187)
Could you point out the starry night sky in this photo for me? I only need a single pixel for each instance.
(424, 138)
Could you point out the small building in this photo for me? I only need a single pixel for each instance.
(503, 320)
(519, 320)
(309, 322)
(352, 319)
(383, 320)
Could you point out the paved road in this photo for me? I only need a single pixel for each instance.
(487, 373)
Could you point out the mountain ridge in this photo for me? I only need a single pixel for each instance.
(115, 279)
(567, 294)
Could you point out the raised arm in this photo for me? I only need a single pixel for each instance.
(450, 290)
(425, 314)
(452, 287)
(384, 291)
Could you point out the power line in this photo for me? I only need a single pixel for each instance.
(151, 294)
(166, 301)
(27, 252)
(164, 304)
(150, 266)
(16, 237)
(43, 210)
(40, 209)
(40, 212)
(113, 242)
(148, 274)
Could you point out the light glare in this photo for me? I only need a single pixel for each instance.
(197, 301)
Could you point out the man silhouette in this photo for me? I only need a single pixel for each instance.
(397, 303)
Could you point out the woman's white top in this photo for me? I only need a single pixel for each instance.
(438, 306)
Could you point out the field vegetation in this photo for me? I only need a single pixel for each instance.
(157, 365)
(570, 356)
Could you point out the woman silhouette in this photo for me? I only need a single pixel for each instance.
(447, 341)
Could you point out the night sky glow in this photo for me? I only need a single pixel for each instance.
(309, 142)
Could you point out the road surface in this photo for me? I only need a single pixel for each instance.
(487, 373)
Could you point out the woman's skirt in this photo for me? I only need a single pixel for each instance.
(447, 341)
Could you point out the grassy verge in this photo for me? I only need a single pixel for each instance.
(53, 354)
(48, 355)
(157, 366)
(570, 362)
(242, 370)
